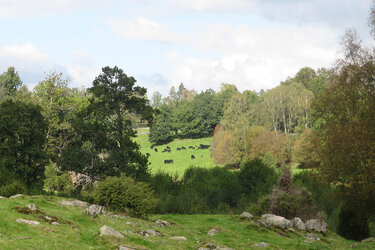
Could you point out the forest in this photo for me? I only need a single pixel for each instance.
(305, 148)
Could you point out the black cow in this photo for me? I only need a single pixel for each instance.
(178, 149)
(192, 157)
(168, 161)
(156, 150)
(148, 154)
(183, 148)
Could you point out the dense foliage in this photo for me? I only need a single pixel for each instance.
(125, 195)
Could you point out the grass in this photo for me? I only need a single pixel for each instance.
(181, 159)
(79, 231)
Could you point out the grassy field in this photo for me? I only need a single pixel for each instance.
(181, 159)
(79, 231)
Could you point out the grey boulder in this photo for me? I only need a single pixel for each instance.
(94, 210)
(107, 231)
(298, 224)
(316, 225)
(277, 221)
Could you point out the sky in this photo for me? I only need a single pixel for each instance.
(253, 44)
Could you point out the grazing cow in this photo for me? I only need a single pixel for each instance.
(168, 147)
(191, 147)
(148, 154)
(178, 149)
(192, 157)
(168, 161)
(166, 150)
(183, 148)
(156, 150)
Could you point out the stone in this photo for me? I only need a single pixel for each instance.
(246, 215)
(277, 221)
(178, 238)
(48, 218)
(94, 210)
(148, 233)
(213, 231)
(76, 203)
(260, 244)
(32, 207)
(125, 248)
(54, 223)
(316, 225)
(81, 181)
(107, 231)
(16, 196)
(130, 223)
(162, 223)
(209, 246)
(311, 238)
(2, 197)
(368, 240)
(30, 222)
(355, 245)
(298, 224)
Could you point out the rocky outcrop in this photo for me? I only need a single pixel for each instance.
(32, 207)
(81, 181)
(260, 244)
(276, 221)
(178, 238)
(162, 223)
(246, 215)
(316, 225)
(107, 231)
(311, 238)
(213, 231)
(2, 197)
(76, 203)
(30, 222)
(16, 196)
(298, 224)
(94, 210)
(209, 246)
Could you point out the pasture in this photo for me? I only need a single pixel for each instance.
(182, 159)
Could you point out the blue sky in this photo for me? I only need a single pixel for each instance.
(254, 44)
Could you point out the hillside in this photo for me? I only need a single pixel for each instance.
(181, 158)
(77, 230)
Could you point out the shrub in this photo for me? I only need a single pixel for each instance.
(256, 179)
(57, 183)
(14, 187)
(352, 225)
(125, 195)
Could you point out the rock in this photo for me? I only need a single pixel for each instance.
(213, 231)
(30, 222)
(355, 245)
(317, 225)
(178, 238)
(15, 196)
(125, 248)
(368, 240)
(298, 224)
(260, 244)
(48, 218)
(148, 233)
(311, 237)
(54, 223)
(107, 231)
(162, 223)
(94, 210)
(246, 215)
(209, 246)
(130, 223)
(277, 221)
(76, 203)
(81, 181)
(2, 197)
(32, 207)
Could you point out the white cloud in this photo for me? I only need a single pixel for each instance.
(36, 8)
(82, 76)
(24, 57)
(253, 58)
(142, 29)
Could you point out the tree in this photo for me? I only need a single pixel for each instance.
(161, 129)
(103, 144)
(9, 82)
(22, 139)
(156, 99)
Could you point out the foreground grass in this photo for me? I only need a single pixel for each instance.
(79, 231)
(181, 159)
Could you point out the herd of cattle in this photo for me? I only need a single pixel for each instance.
(168, 150)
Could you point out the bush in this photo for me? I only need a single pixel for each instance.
(14, 187)
(352, 225)
(57, 183)
(256, 179)
(125, 195)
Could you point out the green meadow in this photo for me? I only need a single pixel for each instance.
(76, 230)
(181, 158)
